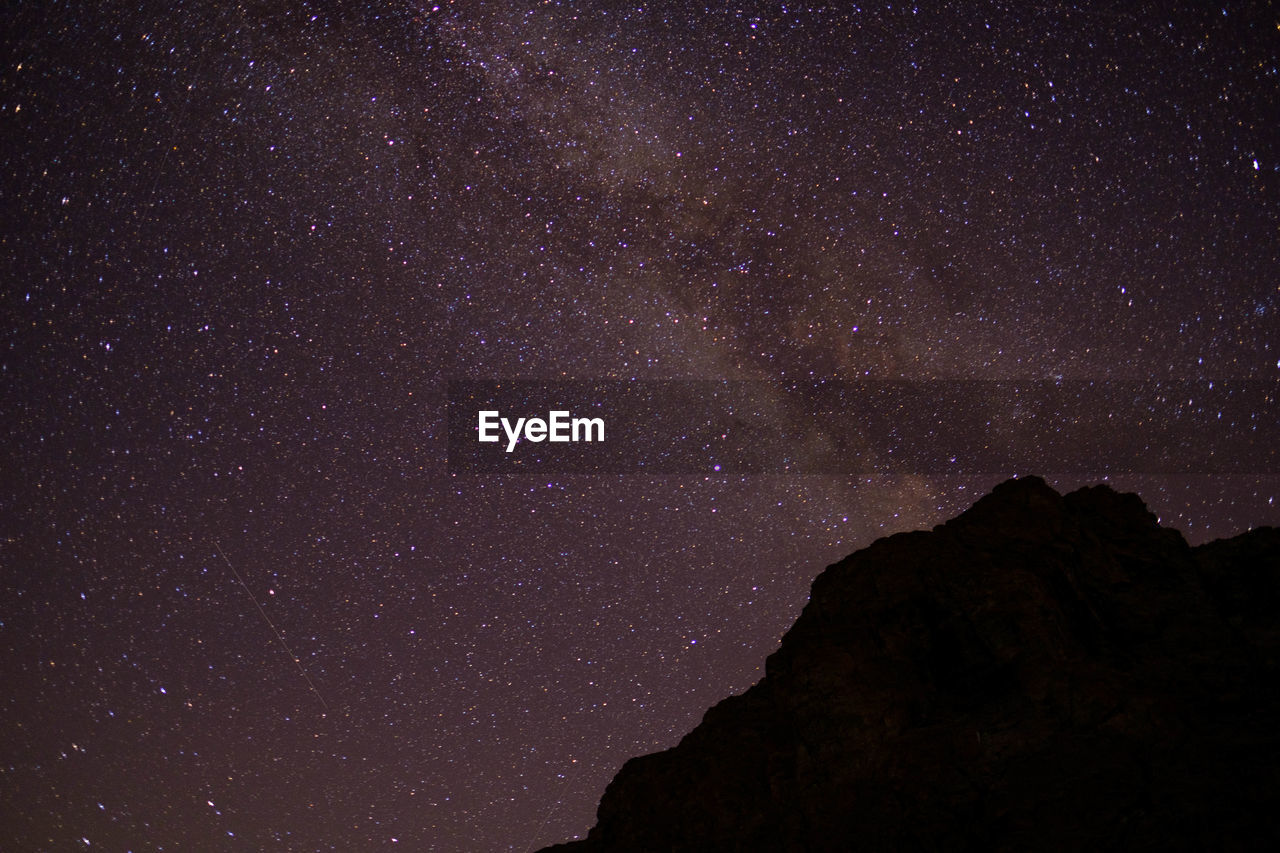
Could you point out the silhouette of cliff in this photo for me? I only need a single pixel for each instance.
(1044, 672)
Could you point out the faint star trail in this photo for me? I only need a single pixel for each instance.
(274, 630)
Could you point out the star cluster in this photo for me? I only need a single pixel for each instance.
(246, 603)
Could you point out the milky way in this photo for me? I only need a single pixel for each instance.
(246, 248)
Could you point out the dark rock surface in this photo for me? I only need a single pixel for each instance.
(1044, 672)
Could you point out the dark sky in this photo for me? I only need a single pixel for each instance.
(245, 247)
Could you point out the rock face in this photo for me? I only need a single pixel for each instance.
(1044, 672)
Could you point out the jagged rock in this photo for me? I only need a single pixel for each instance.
(1044, 672)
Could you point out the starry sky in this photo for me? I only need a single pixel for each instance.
(245, 601)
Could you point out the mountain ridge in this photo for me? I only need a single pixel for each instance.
(1042, 671)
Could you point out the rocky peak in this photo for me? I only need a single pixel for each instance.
(1041, 672)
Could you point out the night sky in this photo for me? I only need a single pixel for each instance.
(245, 602)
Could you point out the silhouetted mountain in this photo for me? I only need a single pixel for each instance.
(1044, 672)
